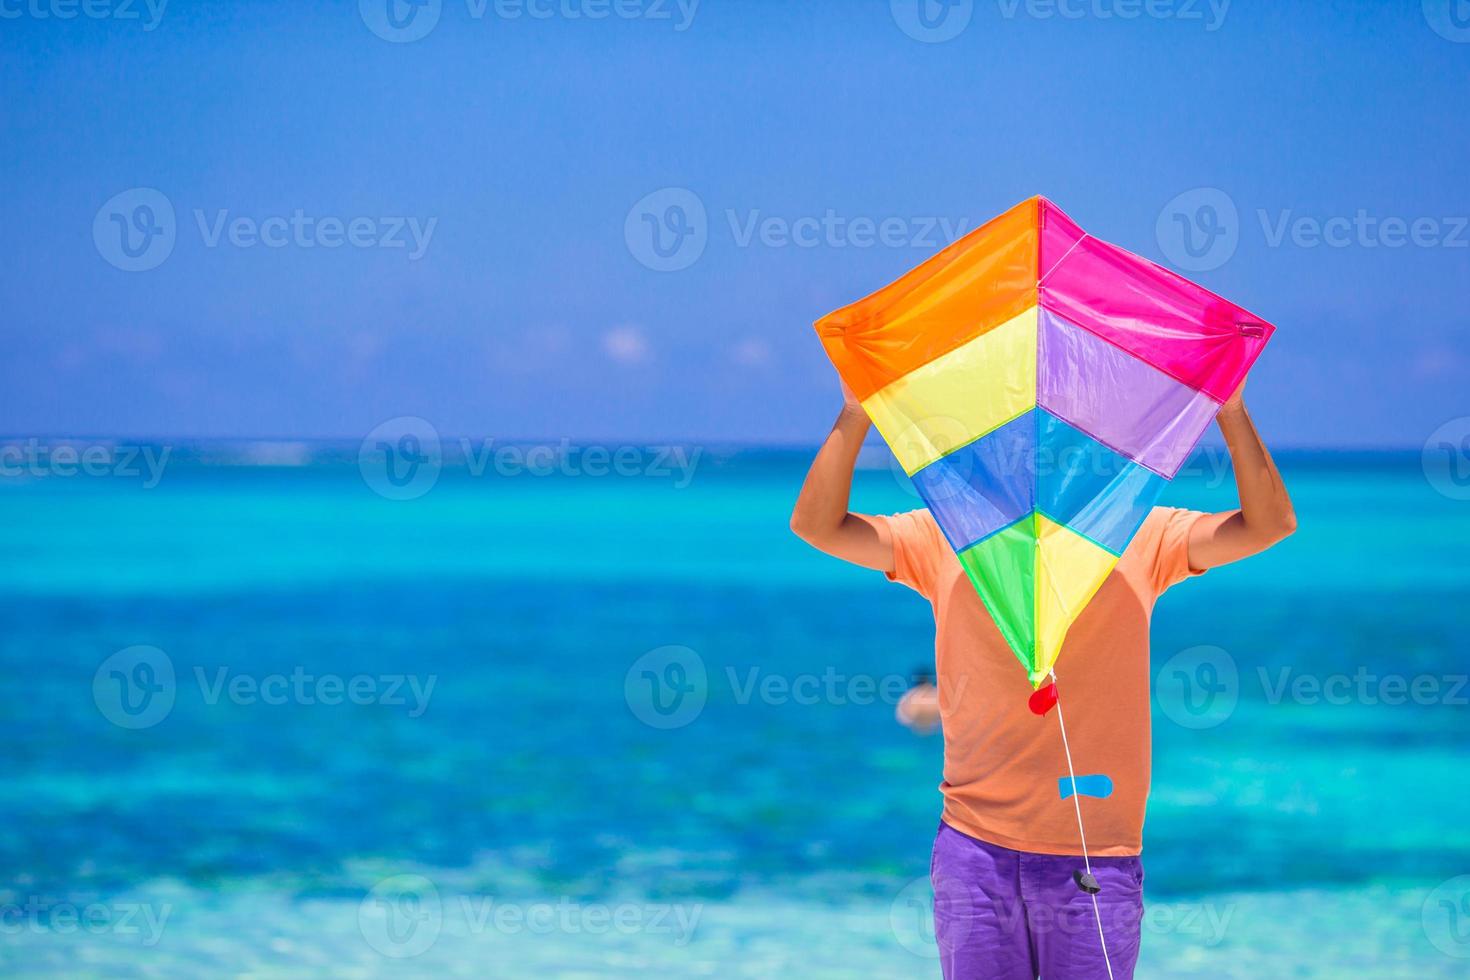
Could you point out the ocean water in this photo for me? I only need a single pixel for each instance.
(266, 721)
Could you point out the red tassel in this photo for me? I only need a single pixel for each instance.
(1043, 698)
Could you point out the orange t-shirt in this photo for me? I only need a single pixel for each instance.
(1001, 761)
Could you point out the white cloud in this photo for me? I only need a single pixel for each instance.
(626, 344)
(752, 352)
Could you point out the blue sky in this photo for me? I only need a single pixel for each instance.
(458, 227)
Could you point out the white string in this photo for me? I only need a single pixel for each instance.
(1077, 802)
(1085, 237)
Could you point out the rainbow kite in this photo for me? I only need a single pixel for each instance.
(1040, 386)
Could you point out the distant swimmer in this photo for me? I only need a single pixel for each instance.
(918, 709)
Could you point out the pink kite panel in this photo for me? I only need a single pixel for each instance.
(1160, 317)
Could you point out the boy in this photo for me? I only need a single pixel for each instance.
(1006, 904)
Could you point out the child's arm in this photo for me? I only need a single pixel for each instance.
(820, 517)
(1265, 515)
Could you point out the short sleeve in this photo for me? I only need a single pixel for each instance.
(918, 549)
(1170, 543)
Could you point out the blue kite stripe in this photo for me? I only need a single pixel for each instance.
(1088, 487)
(1038, 462)
(984, 485)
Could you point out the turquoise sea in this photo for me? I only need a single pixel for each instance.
(265, 721)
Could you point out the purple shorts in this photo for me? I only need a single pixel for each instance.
(1001, 914)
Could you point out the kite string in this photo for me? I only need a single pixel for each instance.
(1081, 832)
(1085, 237)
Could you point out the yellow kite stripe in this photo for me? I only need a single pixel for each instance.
(957, 398)
(1069, 571)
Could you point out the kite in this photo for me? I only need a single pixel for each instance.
(1040, 387)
